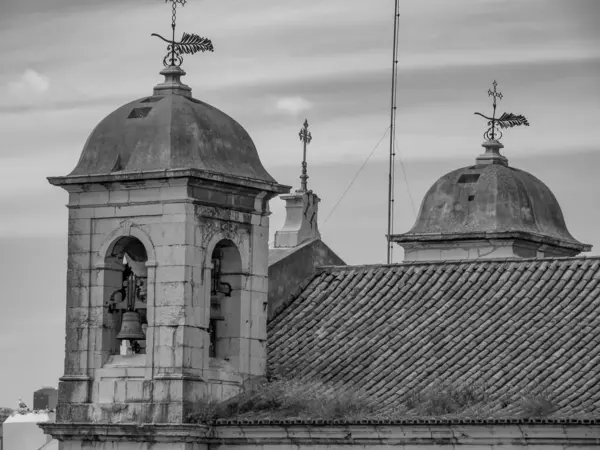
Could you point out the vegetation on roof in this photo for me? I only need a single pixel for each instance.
(301, 399)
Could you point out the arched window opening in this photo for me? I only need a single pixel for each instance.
(126, 286)
(225, 287)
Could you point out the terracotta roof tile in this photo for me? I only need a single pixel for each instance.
(396, 328)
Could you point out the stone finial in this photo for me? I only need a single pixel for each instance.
(300, 221)
(492, 153)
(172, 84)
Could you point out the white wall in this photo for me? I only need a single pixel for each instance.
(21, 431)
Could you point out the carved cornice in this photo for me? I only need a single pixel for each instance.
(170, 433)
(421, 433)
(273, 188)
(516, 434)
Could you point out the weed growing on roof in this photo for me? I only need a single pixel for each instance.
(444, 398)
(537, 406)
(205, 411)
(288, 398)
(537, 400)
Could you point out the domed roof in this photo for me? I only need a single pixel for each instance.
(491, 199)
(170, 130)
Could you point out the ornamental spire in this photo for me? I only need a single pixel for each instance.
(189, 44)
(305, 137)
(506, 120)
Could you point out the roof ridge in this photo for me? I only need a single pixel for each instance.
(321, 269)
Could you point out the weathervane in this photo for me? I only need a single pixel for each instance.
(305, 137)
(189, 44)
(506, 120)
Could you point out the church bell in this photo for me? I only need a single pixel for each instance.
(131, 327)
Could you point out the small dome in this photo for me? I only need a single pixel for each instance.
(170, 130)
(492, 198)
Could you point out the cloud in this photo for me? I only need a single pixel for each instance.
(293, 105)
(30, 82)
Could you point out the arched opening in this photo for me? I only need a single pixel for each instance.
(225, 299)
(125, 292)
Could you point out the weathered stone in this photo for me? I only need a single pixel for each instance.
(96, 197)
(80, 226)
(173, 273)
(169, 293)
(133, 210)
(81, 212)
(178, 207)
(79, 243)
(118, 196)
(145, 194)
(105, 211)
(78, 296)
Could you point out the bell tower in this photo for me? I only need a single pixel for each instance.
(167, 261)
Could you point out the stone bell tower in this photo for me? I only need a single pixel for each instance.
(167, 263)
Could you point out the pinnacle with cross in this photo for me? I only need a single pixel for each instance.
(506, 120)
(190, 43)
(305, 137)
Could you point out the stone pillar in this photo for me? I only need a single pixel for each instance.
(300, 220)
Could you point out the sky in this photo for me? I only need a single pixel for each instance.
(67, 64)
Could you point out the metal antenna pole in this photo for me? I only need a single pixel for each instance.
(390, 224)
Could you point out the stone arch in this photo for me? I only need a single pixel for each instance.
(234, 239)
(125, 229)
(132, 273)
(225, 300)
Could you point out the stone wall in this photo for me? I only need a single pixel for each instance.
(287, 273)
(21, 431)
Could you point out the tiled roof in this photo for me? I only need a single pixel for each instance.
(515, 325)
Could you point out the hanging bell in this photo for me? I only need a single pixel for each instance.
(131, 327)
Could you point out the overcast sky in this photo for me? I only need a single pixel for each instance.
(66, 64)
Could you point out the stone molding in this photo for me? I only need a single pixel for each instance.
(126, 228)
(409, 238)
(75, 377)
(273, 188)
(125, 432)
(484, 435)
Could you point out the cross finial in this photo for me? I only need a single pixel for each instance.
(305, 137)
(506, 120)
(189, 44)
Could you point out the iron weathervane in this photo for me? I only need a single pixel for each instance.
(190, 43)
(305, 137)
(506, 120)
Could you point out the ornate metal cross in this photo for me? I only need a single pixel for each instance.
(189, 44)
(305, 137)
(506, 120)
